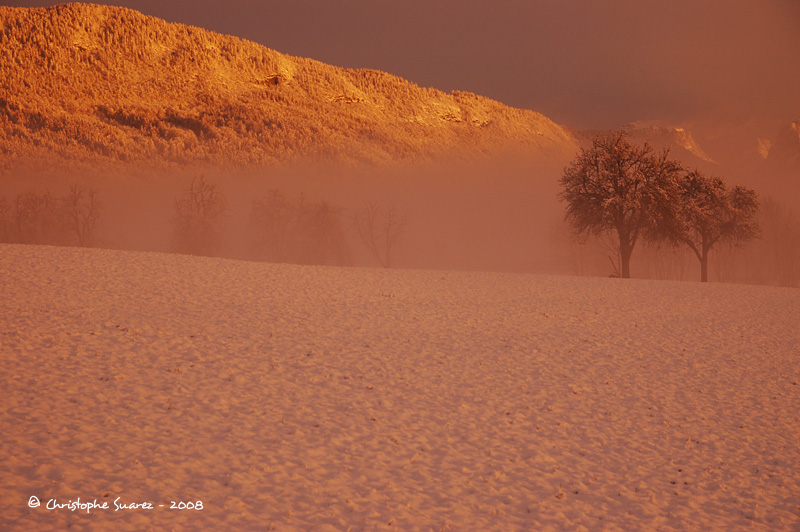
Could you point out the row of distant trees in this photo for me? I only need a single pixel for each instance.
(43, 218)
(280, 229)
(634, 193)
(615, 190)
(624, 196)
(284, 229)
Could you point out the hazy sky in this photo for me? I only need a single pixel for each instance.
(586, 64)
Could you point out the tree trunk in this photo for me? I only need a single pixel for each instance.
(704, 267)
(625, 258)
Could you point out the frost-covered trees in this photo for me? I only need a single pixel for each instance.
(631, 192)
(619, 188)
(707, 212)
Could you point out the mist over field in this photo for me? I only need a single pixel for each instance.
(501, 214)
(490, 216)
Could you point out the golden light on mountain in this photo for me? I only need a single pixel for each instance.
(90, 82)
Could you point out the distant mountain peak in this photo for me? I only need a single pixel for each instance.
(667, 136)
(764, 145)
(785, 149)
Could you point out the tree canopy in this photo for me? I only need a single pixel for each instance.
(616, 186)
(633, 192)
(708, 212)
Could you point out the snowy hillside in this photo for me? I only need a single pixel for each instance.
(318, 398)
(110, 86)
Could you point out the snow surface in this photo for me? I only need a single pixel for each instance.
(315, 398)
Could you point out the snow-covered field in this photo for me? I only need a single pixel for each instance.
(311, 398)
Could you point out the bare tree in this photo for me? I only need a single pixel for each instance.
(380, 230)
(82, 210)
(616, 187)
(708, 212)
(198, 215)
(297, 231)
(272, 222)
(321, 235)
(38, 219)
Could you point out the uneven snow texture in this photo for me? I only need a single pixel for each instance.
(312, 398)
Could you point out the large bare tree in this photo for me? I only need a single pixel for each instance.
(620, 188)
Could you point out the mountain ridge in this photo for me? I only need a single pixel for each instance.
(107, 84)
(672, 136)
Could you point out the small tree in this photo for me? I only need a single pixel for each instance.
(283, 230)
(272, 223)
(198, 214)
(38, 219)
(379, 230)
(81, 211)
(619, 188)
(708, 212)
(320, 235)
